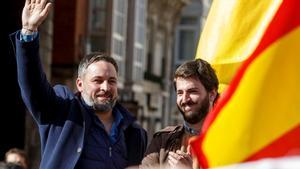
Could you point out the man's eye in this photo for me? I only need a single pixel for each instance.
(112, 81)
(97, 81)
(193, 91)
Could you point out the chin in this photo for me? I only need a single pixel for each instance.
(189, 113)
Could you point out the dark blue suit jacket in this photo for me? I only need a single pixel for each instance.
(61, 116)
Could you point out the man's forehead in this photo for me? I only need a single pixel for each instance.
(188, 83)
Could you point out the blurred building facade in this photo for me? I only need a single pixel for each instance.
(148, 38)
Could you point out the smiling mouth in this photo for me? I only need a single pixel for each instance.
(187, 108)
(106, 95)
(103, 97)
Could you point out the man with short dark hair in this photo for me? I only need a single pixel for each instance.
(196, 86)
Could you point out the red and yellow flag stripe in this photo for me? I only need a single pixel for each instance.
(258, 116)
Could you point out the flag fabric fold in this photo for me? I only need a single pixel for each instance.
(230, 35)
(256, 50)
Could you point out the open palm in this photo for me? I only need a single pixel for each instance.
(34, 13)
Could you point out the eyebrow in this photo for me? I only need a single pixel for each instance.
(110, 77)
(193, 88)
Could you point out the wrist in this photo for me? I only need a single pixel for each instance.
(28, 35)
(28, 31)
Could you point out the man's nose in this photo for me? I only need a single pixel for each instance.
(104, 86)
(185, 98)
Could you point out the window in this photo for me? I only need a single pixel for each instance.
(186, 33)
(186, 44)
(120, 14)
(98, 15)
(139, 42)
(138, 70)
(97, 25)
(119, 33)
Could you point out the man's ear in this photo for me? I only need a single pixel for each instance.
(79, 84)
(213, 95)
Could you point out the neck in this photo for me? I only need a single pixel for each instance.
(197, 127)
(107, 119)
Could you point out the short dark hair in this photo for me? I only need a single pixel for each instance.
(200, 69)
(95, 57)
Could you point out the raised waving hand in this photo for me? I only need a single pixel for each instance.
(34, 13)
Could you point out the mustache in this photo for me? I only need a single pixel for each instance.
(188, 103)
(104, 94)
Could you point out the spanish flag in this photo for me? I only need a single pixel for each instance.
(254, 46)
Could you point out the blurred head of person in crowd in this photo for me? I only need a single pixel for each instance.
(17, 156)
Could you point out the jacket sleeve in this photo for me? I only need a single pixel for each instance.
(158, 148)
(151, 157)
(136, 141)
(37, 93)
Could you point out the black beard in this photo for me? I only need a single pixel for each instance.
(199, 115)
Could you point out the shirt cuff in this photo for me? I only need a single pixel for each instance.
(28, 37)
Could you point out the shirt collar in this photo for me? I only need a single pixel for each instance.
(118, 117)
(189, 129)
